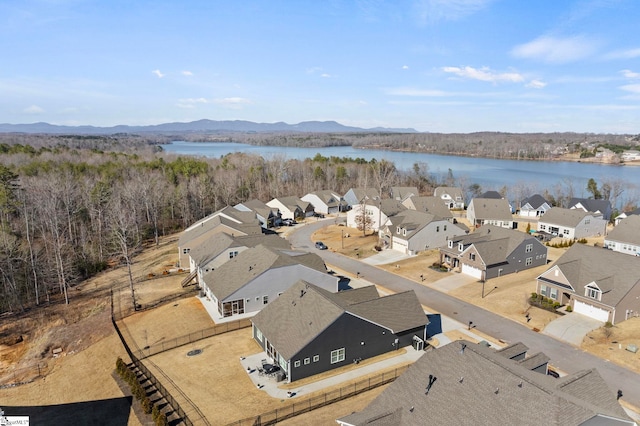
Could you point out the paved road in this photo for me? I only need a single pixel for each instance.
(564, 356)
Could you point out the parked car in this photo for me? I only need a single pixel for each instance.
(320, 245)
(289, 222)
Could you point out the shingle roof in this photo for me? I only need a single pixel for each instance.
(513, 350)
(615, 273)
(217, 244)
(534, 361)
(564, 217)
(492, 208)
(234, 218)
(602, 206)
(403, 192)
(534, 201)
(475, 385)
(627, 231)
(413, 221)
(362, 193)
(253, 262)
(453, 192)
(303, 311)
(433, 205)
(492, 195)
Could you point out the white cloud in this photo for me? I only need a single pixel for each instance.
(313, 70)
(325, 75)
(405, 67)
(630, 74)
(633, 88)
(536, 84)
(158, 73)
(33, 109)
(430, 11)
(624, 54)
(557, 50)
(484, 74)
(187, 73)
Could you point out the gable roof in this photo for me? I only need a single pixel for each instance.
(602, 206)
(218, 244)
(627, 231)
(403, 192)
(535, 201)
(413, 221)
(569, 218)
(292, 202)
(259, 207)
(493, 195)
(472, 384)
(250, 226)
(302, 312)
(433, 205)
(452, 191)
(492, 208)
(330, 198)
(614, 273)
(253, 262)
(364, 193)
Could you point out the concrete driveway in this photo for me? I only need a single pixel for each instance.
(385, 256)
(571, 328)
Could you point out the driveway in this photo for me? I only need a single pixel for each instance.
(571, 328)
(384, 257)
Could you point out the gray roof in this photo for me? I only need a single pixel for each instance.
(217, 244)
(534, 361)
(329, 197)
(493, 195)
(614, 273)
(433, 205)
(513, 350)
(535, 201)
(627, 231)
(508, 239)
(292, 202)
(472, 384)
(403, 192)
(569, 218)
(253, 262)
(453, 192)
(413, 221)
(302, 312)
(388, 206)
(492, 208)
(602, 206)
(260, 208)
(245, 222)
(364, 193)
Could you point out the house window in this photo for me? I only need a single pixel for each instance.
(460, 247)
(445, 227)
(543, 290)
(233, 254)
(472, 256)
(258, 334)
(529, 261)
(543, 227)
(265, 300)
(307, 361)
(186, 250)
(587, 221)
(593, 293)
(398, 230)
(337, 355)
(553, 293)
(404, 232)
(316, 358)
(437, 229)
(528, 248)
(296, 363)
(450, 244)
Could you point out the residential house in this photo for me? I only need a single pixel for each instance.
(491, 252)
(359, 195)
(534, 206)
(267, 216)
(572, 223)
(309, 330)
(258, 275)
(431, 205)
(401, 193)
(631, 155)
(598, 207)
(462, 383)
(625, 215)
(453, 197)
(625, 237)
(411, 232)
(226, 220)
(377, 211)
(490, 211)
(602, 284)
(325, 202)
(291, 207)
(213, 252)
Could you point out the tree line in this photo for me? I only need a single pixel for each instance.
(70, 208)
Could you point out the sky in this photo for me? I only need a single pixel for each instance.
(433, 65)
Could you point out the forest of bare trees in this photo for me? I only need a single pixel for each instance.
(72, 206)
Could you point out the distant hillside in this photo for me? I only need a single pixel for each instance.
(200, 126)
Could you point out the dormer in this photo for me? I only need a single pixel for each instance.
(592, 291)
(450, 244)
(460, 247)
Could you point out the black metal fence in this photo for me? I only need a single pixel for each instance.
(312, 403)
(192, 337)
(20, 376)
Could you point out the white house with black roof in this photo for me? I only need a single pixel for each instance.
(309, 330)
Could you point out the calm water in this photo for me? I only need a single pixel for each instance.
(489, 173)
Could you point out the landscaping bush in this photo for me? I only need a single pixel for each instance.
(569, 309)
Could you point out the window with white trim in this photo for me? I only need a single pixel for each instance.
(233, 254)
(186, 250)
(307, 361)
(316, 358)
(528, 248)
(265, 300)
(553, 293)
(258, 334)
(337, 356)
(296, 363)
(529, 261)
(543, 290)
(593, 293)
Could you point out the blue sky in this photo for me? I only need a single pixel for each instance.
(434, 65)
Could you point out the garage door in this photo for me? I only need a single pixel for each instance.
(591, 311)
(470, 270)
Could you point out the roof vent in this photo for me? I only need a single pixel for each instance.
(302, 293)
(520, 384)
(496, 391)
(461, 379)
(411, 409)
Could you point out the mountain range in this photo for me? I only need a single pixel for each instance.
(200, 126)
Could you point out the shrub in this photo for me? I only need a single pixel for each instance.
(608, 324)
(534, 296)
(147, 405)
(569, 309)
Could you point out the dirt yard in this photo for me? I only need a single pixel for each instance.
(347, 241)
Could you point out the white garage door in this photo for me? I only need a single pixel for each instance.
(470, 270)
(591, 311)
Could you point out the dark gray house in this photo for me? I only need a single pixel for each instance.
(463, 383)
(602, 207)
(308, 330)
(491, 252)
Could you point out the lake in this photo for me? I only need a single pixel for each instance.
(490, 174)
